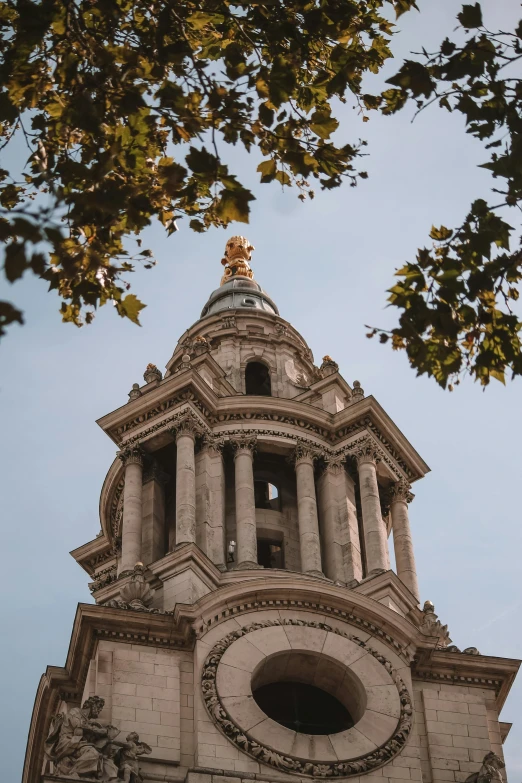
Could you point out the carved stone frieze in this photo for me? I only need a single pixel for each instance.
(80, 747)
(290, 763)
(104, 557)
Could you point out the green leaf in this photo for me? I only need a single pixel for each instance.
(234, 205)
(470, 16)
(130, 308)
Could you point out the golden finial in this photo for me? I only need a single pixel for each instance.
(238, 252)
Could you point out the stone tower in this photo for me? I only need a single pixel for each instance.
(247, 624)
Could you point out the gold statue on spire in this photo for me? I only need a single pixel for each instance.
(238, 252)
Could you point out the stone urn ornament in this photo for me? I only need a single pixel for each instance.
(152, 373)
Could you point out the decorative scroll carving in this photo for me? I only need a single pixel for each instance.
(130, 455)
(467, 651)
(116, 603)
(432, 626)
(489, 770)
(82, 748)
(238, 252)
(289, 763)
(103, 578)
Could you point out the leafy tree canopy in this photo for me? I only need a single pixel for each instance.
(455, 300)
(124, 105)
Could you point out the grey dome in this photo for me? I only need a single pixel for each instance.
(239, 292)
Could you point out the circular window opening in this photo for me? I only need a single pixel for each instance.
(303, 708)
(308, 692)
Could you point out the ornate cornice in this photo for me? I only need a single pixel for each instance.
(351, 617)
(158, 410)
(288, 762)
(171, 422)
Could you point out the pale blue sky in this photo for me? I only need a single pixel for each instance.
(327, 265)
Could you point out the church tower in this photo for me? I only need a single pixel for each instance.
(247, 623)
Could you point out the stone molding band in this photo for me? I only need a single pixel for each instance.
(287, 762)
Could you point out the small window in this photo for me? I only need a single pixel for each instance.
(257, 379)
(267, 495)
(248, 301)
(270, 553)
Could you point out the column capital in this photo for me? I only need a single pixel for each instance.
(305, 452)
(334, 463)
(186, 424)
(131, 454)
(367, 452)
(244, 443)
(214, 443)
(400, 492)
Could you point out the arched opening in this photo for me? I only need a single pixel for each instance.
(257, 379)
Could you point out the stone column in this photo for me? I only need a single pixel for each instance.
(246, 533)
(375, 538)
(400, 496)
(210, 500)
(185, 480)
(340, 535)
(132, 458)
(309, 543)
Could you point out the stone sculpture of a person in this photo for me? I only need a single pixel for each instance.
(76, 743)
(489, 772)
(128, 758)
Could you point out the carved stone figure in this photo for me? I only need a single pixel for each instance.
(238, 252)
(128, 758)
(432, 626)
(489, 771)
(80, 747)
